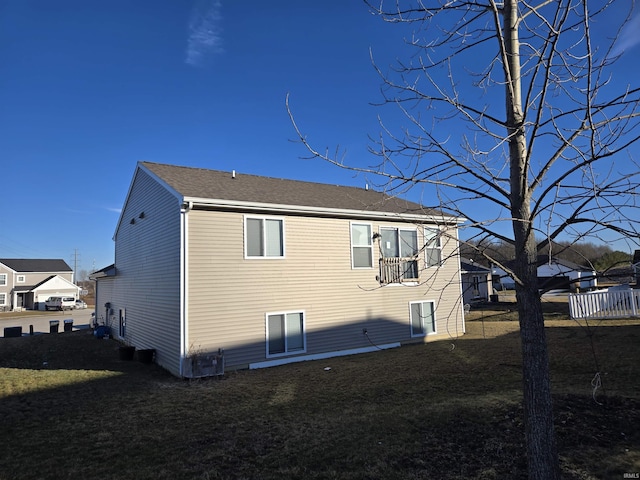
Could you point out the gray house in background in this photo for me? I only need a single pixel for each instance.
(27, 283)
(215, 266)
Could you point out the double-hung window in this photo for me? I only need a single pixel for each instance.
(432, 247)
(285, 333)
(264, 237)
(399, 249)
(423, 318)
(3, 299)
(361, 245)
(3, 279)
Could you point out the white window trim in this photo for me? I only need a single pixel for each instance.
(398, 230)
(404, 283)
(3, 299)
(437, 247)
(264, 257)
(20, 278)
(435, 320)
(351, 224)
(3, 283)
(304, 334)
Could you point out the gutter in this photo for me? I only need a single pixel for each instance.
(232, 205)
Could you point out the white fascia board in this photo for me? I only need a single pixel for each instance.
(8, 268)
(165, 185)
(322, 211)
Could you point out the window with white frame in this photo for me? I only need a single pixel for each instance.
(285, 333)
(423, 319)
(3, 299)
(476, 285)
(432, 247)
(361, 245)
(264, 237)
(20, 279)
(399, 248)
(3, 279)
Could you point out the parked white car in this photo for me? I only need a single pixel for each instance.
(80, 304)
(60, 303)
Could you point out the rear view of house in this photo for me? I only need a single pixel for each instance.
(257, 271)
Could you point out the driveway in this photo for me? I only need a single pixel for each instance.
(40, 320)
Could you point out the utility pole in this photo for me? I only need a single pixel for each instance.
(75, 265)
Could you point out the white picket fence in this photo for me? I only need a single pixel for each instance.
(605, 304)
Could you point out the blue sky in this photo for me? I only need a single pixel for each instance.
(88, 88)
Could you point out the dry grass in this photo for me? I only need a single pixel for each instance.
(445, 410)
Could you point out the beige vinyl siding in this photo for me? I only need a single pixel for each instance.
(147, 282)
(31, 278)
(229, 295)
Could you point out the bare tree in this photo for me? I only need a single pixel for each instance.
(511, 117)
(82, 275)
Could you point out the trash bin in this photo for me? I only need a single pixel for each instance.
(68, 325)
(12, 332)
(53, 326)
(146, 355)
(125, 352)
(102, 331)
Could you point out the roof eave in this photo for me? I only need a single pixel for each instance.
(319, 211)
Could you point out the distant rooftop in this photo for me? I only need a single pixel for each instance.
(36, 265)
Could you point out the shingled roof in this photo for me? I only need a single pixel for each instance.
(201, 183)
(36, 265)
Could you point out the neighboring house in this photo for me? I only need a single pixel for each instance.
(636, 267)
(105, 280)
(553, 274)
(268, 271)
(27, 283)
(501, 279)
(476, 281)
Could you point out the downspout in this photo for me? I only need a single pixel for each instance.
(459, 266)
(96, 296)
(184, 290)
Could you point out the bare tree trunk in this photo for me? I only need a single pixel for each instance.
(542, 456)
(560, 103)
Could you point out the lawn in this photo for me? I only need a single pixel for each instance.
(70, 409)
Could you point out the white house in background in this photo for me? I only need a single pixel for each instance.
(553, 274)
(501, 280)
(476, 281)
(215, 266)
(28, 282)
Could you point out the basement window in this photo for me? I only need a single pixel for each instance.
(285, 333)
(423, 318)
